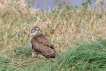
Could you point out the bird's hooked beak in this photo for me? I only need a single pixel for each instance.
(36, 32)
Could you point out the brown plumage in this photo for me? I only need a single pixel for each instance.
(40, 44)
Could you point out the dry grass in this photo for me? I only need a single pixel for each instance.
(63, 28)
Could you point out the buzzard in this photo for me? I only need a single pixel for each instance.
(39, 44)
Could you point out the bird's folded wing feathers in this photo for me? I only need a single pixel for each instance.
(42, 39)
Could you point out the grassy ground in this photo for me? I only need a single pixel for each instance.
(84, 57)
(64, 28)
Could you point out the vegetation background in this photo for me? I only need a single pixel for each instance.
(78, 36)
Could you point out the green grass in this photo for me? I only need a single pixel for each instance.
(84, 57)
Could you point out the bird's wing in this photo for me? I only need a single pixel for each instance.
(42, 39)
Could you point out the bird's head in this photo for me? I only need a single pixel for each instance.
(35, 31)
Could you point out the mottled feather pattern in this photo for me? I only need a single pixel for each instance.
(42, 39)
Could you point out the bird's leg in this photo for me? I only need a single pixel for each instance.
(40, 56)
(33, 53)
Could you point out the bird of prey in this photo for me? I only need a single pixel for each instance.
(39, 44)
